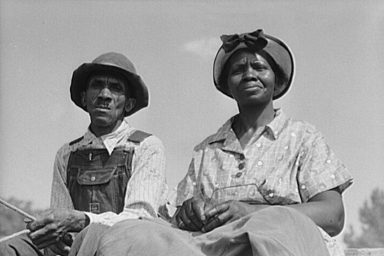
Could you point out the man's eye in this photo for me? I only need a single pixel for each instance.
(116, 87)
(96, 85)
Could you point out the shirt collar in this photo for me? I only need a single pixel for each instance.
(109, 140)
(275, 127)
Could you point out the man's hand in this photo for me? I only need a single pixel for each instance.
(190, 216)
(54, 225)
(220, 214)
(60, 248)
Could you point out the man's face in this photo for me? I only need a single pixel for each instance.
(251, 79)
(106, 101)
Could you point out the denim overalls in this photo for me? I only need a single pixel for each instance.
(97, 181)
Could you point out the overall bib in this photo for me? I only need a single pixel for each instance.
(97, 181)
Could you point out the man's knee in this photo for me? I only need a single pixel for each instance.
(20, 245)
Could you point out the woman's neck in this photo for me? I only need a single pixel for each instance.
(255, 117)
(249, 122)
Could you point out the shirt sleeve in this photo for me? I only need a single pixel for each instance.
(187, 187)
(60, 197)
(320, 170)
(146, 189)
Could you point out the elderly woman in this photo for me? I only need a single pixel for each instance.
(263, 184)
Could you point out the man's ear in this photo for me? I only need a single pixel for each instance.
(83, 100)
(130, 104)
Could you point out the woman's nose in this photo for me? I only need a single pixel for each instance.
(250, 73)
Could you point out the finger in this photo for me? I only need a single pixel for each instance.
(212, 223)
(198, 209)
(44, 241)
(46, 236)
(46, 244)
(216, 210)
(60, 248)
(188, 223)
(38, 224)
(196, 213)
(27, 221)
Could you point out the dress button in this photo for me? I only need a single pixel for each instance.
(303, 187)
(93, 178)
(258, 145)
(238, 175)
(241, 157)
(271, 194)
(241, 166)
(260, 163)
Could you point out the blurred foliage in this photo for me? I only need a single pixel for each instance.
(11, 221)
(371, 216)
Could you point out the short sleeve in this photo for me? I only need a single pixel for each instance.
(185, 188)
(320, 170)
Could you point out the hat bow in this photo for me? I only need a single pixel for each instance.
(254, 40)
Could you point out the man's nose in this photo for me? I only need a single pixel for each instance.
(105, 93)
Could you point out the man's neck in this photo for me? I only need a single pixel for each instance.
(104, 130)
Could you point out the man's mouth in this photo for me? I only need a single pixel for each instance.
(102, 107)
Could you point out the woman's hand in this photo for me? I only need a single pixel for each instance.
(228, 211)
(190, 216)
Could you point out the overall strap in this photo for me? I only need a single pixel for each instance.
(138, 136)
(76, 140)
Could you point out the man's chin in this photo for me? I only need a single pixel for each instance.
(102, 121)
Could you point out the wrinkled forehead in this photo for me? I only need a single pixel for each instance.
(243, 56)
(111, 77)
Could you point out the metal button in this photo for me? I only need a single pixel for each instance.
(271, 194)
(303, 186)
(93, 178)
(260, 163)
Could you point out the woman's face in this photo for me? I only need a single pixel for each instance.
(250, 79)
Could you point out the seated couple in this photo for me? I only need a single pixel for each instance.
(263, 184)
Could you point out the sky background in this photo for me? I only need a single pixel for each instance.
(338, 85)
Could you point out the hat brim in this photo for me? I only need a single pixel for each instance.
(277, 49)
(136, 84)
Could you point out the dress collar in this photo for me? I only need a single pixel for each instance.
(227, 136)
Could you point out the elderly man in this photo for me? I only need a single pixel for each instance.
(112, 172)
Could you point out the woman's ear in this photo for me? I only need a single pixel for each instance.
(278, 88)
(130, 104)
